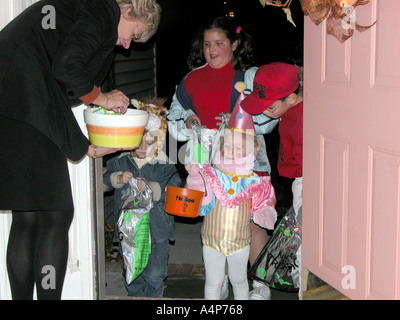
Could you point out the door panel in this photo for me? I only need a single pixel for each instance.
(352, 154)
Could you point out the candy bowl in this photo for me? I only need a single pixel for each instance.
(109, 129)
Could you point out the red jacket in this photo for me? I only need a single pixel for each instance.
(290, 161)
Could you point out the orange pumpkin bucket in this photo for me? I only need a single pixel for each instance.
(183, 202)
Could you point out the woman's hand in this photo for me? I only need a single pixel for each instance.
(97, 152)
(114, 100)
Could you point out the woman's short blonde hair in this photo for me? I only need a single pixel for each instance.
(150, 10)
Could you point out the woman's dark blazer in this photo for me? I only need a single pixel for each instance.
(44, 71)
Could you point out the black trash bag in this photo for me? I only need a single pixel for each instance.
(276, 265)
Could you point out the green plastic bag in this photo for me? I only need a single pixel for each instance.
(134, 229)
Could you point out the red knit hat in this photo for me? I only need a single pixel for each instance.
(271, 82)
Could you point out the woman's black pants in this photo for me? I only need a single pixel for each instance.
(37, 253)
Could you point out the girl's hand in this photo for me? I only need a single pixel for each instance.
(227, 115)
(189, 121)
(125, 177)
(299, 228)
(114, 100)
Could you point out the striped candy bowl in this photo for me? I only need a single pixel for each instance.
(108, 129)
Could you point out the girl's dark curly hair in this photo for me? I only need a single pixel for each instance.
(243, 57)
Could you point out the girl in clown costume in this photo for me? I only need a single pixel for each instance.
(234, 195)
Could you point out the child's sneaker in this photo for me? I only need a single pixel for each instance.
(260, 292)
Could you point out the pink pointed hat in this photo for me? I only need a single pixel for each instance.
(240, 120)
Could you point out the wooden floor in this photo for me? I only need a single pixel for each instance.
(319, 290)
(325, 292)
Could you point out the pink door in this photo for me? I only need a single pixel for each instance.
(351, 195)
